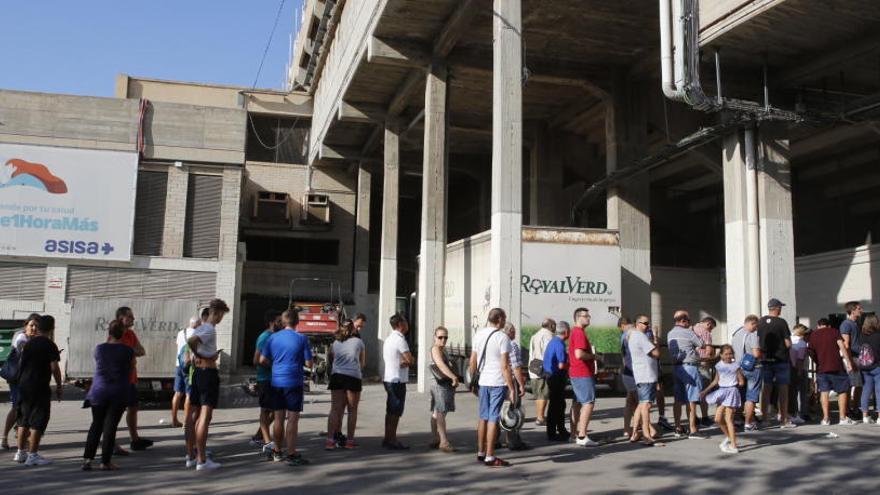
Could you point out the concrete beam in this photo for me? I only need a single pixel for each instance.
(505, 268)
(456, 25)
(432, 258)
(396, 52)
(827, 61)
(361, 112)
(337, 152)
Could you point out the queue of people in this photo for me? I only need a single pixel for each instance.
(764, 365)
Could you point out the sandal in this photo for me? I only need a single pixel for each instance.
(447, 448)
(497, 462)
(109, 467)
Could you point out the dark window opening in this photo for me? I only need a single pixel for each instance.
(293, 250)
(276, 139)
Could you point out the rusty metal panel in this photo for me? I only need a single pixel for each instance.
(555, 235)
(157, 322)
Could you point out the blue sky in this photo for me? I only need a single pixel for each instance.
(79, 46)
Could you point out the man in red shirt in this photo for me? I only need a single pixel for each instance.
(129, 338)
(827, 346)
(582, 371)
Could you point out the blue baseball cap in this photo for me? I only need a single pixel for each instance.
(775, 303)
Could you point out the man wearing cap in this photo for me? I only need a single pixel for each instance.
(774, 338)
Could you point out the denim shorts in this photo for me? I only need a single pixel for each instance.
(688, 382)
(751, 392)
(180, 380)
(778, 373)
(647, 392)
(584, 390)
(839, 382)
(396, 398)
(491, 399)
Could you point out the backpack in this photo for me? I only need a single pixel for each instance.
(12, 367)
(866, 356)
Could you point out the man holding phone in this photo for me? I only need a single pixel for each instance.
(205, 391)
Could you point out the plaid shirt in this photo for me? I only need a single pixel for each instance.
(706, 335)
(515, 355)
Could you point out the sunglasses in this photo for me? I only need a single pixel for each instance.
(442, 338)
(646, 323)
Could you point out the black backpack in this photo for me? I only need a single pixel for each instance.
(12, 367)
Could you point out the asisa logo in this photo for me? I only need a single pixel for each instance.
(18, 172)
(77, 247)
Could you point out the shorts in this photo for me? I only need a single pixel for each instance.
(33, 410)
(839, 382)
(540, 389)
(688, 382)
(289, 398)
(776, 373)
(629, 383)
(13, 394)
(264, 394)
(647, 392)
(396, 400)
(180, 380)
(855, 378)
(584, 390)
(338, 381)
(491, 399)
(751, 392)
(205, 387)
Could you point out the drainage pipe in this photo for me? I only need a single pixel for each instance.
(752, 226)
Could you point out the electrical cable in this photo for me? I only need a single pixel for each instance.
(269, 42)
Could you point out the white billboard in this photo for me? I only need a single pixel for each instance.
(66, 203)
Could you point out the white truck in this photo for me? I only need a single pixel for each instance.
(562, 269)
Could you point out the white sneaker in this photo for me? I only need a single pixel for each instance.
(750, 427)
(727, 449)
(208, 465)
(190, 462)
(35, 459)
(796, 420)
(789, 424)
(587, 442)
(845, 421)
(867, 420)
(267, 449)
(825, 422)
(20, 456)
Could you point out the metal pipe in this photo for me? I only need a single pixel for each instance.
(718, 75)
(766, 86)
(666, 57)
(752, 226)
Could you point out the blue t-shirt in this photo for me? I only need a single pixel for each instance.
(264, 373)
(288, 351)
(554, 355)
(851, 328)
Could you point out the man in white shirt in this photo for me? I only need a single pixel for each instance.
(205, 386)
(398, 359)
(491, 359)
(181, 371)
(540, 389)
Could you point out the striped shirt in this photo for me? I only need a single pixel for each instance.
(515, 355)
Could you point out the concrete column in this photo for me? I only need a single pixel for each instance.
(775, 218)
(432, 257)
(628, 204)
(175, 212)
(364, 301)
(388, 261)
(545, 178)
(740, 301)
(229, 336)
(506, 245)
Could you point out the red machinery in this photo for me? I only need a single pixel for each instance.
(318, 318)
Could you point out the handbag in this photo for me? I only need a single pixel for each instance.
(748, 362)
(439, 377)
(536, 367)
(475, 380)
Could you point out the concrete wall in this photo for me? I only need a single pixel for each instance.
(700, 291)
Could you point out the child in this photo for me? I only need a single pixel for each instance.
(728, 378)
(799, 391)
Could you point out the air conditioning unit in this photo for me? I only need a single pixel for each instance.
(272, 207)
(316, 209)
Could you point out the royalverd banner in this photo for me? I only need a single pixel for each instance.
(66, 203)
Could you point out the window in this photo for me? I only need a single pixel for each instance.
(277, 139)
(149, 213)
(201, 236)
(293, 250)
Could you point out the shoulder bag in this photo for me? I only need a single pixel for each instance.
(475, 380)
